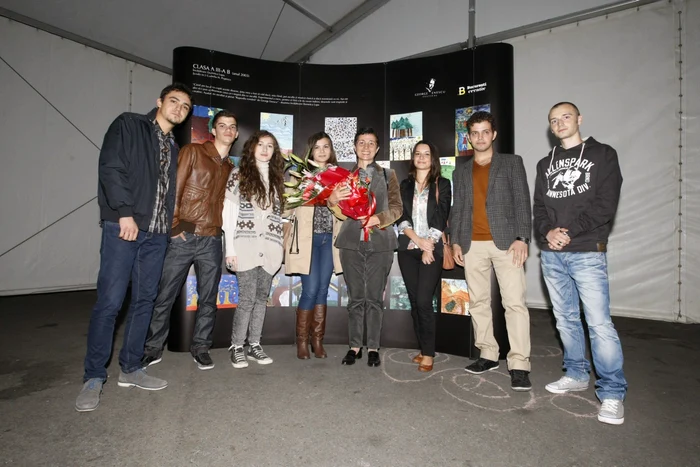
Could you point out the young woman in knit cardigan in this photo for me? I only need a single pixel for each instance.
(309, 251)
(253, 231)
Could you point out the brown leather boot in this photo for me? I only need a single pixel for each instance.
(318, 329)
(304, 320)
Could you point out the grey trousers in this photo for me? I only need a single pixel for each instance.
(253, 289)
(206, 254)
(365, 272)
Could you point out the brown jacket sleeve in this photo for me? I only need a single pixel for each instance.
(185, 161)
(388, 217)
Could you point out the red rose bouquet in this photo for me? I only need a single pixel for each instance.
(311, 185)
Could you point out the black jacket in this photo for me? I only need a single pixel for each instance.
(128, 170)
(438, 213)
(578, 189)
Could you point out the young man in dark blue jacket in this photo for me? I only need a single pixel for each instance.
(137, 179)
(576, 194)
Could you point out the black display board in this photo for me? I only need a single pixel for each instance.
(407, 100)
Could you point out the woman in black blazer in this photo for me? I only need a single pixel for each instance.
(426, 198)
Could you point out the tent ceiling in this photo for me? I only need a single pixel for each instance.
(268, 29)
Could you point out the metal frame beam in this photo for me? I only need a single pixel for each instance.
(562, 20)
(83, 40)
(338, 28)
(472, 23)
(539, 26)
(308, 14)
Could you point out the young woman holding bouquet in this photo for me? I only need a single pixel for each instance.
(309, 251)
(253, 231)
(367, 259)
(427, 198)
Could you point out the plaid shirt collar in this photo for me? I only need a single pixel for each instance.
(162, 137)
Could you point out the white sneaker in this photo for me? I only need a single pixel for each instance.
(238, 359)
(566, 384)
(612, 411)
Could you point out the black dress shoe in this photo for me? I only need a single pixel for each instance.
(373, 358)
(351, 356)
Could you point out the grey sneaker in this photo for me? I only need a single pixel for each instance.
(612, 411)
(238, 359)
(89, 397)
(255, 351)
(566, 384)
(140, 379)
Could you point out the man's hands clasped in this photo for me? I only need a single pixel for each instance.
(558, 238)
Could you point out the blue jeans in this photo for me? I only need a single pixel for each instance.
(314, 286)
(584, 275)
(140, 261)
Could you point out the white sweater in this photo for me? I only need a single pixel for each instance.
(258, 240)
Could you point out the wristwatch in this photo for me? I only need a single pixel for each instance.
(525, 240)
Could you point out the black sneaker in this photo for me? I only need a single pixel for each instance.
(519, 380)
(149, 360)
(204, 361)
(481, 366)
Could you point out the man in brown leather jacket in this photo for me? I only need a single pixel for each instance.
(202, 173)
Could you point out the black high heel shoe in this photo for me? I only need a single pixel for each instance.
(351, 356)
(373, 358)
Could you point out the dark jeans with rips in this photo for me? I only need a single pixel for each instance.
(365, 272)
(421, 280)
(206, 253)
(140, 261)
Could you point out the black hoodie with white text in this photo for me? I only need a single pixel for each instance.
(577, 189)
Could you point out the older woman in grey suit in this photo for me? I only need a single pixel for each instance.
(366, 264)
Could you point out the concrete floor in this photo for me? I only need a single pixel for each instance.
(319, 413)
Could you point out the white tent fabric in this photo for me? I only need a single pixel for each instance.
(627, 91)
(622, 70)
(49, 164)
(690, 55)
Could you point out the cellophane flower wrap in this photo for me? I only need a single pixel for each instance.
(311, 185)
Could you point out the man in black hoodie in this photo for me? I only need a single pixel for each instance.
(576, 194)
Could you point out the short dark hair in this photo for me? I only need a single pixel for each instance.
(435, 167)
(559, 104)
(223, 114)
(481, 116)
(315, 138)
(366, 131)
(179, 87)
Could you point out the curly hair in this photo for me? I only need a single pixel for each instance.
(251, 184)
(479, 117)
